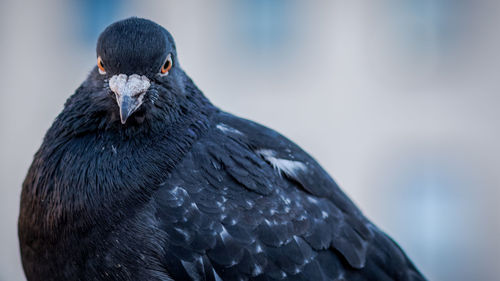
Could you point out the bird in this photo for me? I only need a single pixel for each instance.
(141, 177)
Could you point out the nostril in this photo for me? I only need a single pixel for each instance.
(136, 95)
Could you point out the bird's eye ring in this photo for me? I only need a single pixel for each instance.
(100, 65)
(166, 66)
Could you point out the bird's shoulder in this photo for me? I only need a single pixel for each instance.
(287, 158)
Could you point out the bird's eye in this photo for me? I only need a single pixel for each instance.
(166, 66)
(100, 65)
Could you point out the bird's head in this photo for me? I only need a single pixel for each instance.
(136, 62)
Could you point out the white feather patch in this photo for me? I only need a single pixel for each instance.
(226, 129)
(288, 167)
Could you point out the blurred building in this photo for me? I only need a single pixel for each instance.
(397, 99)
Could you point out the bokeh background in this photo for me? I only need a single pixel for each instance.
(397, 99)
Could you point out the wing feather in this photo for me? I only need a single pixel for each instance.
(248, 204)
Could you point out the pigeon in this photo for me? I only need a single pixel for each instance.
(141, 177)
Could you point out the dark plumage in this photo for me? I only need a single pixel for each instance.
(141, 178)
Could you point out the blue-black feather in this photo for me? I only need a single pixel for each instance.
(183, 191)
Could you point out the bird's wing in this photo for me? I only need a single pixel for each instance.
(247, 203)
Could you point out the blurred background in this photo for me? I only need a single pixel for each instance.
(397, 99)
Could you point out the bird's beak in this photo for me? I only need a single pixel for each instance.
(129, 92)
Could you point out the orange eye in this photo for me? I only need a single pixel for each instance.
(100, 64)
(167, 65)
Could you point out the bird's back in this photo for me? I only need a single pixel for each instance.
(246, 203)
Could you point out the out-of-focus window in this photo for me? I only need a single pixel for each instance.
(94, 15)
(262, 27)
(425, 27)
